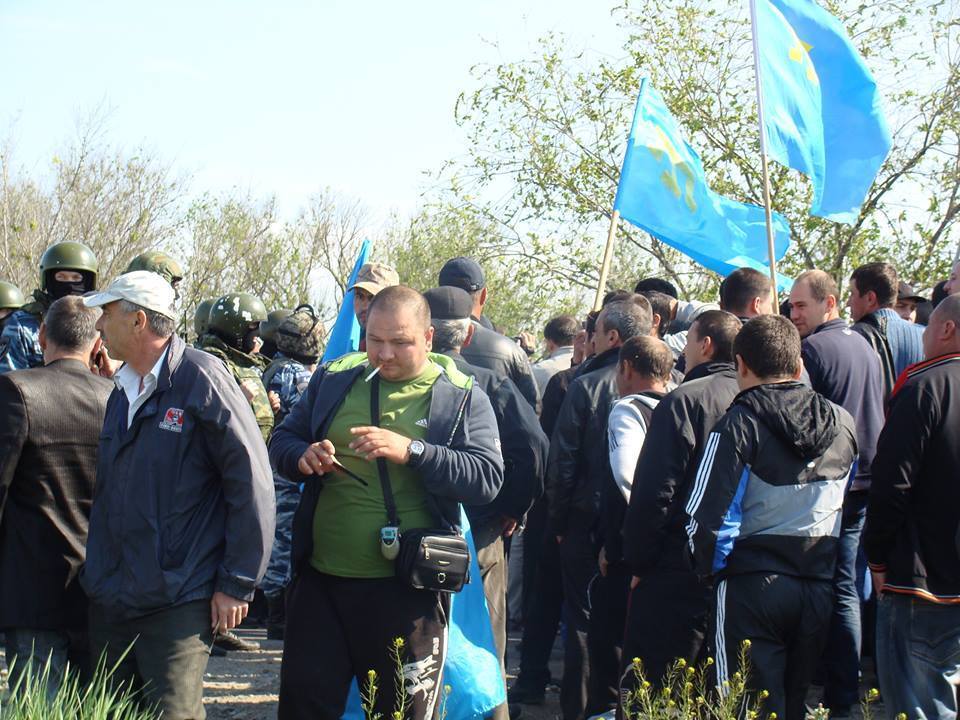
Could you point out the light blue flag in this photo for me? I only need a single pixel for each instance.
(663, 190)
(345, 336)
(856, 136)
(471, 672)
(791, 99)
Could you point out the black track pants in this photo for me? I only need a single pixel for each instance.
(341, 628)
(786, 620)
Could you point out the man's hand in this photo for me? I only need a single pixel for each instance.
(250, 389)
(103, 365)
(509, 525)
(274, 401)
(602, 562)
(318, 458)
(634, 581)
(374, 442)
(879, 580)
(226, 612)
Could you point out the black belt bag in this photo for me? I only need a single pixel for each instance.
(428, 559)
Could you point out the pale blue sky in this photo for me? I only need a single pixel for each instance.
(280, 97)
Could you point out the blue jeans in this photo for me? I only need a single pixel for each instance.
(841, 658)
(26, 647)
(918, 657)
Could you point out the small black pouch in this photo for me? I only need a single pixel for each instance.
(433, 559)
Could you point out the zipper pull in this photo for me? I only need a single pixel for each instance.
(426, 552)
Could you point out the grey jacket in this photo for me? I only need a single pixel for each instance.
(184, 503)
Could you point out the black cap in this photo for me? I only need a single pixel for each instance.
(905, 292)
(462, 272)
(449, 303)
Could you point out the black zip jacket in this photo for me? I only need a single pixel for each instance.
(522, 442)
(770, 487)
(653, 529)
(493, 351)
(578, 464)
(913, 526)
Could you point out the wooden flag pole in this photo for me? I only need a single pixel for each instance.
(771, 250)
(607, 259)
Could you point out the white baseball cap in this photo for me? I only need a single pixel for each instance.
(141, 287)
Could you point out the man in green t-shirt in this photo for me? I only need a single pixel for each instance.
(438, 436)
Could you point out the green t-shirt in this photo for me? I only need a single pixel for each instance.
(348, 516)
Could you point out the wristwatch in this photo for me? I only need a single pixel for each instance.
(415, 450)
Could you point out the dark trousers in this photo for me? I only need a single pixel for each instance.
(488, 540)
(339, 629)
(168, 657)
(666, 621)
(841, 658)
(786, 620)
(543, 601)
(578, 565)
(608, 614)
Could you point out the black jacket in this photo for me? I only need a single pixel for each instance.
(461, 462)
(578, 463)
(52, 417)
(843, 368)
(770, 487)
(913, 525)
(522, 443)
(553, 396)
(493, 351)
(653, 531)
(184, 504)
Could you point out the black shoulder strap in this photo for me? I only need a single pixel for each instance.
(388, 500)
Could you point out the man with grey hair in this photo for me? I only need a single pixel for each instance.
(48, 451)
(577, 468)
(522, 443)
(182, 523)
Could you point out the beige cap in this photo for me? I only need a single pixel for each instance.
(141, 287)
(374, 277)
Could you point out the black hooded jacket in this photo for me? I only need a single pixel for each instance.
(770, 487)
(653, 530)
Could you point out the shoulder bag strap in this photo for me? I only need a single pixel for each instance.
(388, 500)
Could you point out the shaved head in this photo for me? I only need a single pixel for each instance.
(942, 334)
(400, 297)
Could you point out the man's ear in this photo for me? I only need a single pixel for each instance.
(95, 350)
(708, 349)
(799, 373)
(654, 331)
(43, 337)
(483, 297)
(742, 368)
(429, 338)
(469, 338)
(832, 303)
(755, 305)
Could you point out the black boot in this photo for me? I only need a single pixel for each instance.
(276, 617)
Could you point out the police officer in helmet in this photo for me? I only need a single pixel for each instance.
(66, 268)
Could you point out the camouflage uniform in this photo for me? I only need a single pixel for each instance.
(288, 379)
(247, 370)
(299, 338)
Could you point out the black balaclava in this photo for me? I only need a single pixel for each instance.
(58, 289)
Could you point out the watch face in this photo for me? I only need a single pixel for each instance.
(416, 448)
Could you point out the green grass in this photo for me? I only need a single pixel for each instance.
(75, 700)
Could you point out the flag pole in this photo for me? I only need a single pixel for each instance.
(763, 146)
(607, 259)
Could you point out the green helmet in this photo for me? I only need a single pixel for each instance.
(68, 256)
(300, 336)
(232, 315)
(201, 318)
(268, 328)
(157, 262)
(10, 296)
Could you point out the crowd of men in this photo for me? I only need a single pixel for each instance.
(668, 480)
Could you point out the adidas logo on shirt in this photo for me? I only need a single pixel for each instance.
(422, 422)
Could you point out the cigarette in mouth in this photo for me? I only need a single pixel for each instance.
(370, 376)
